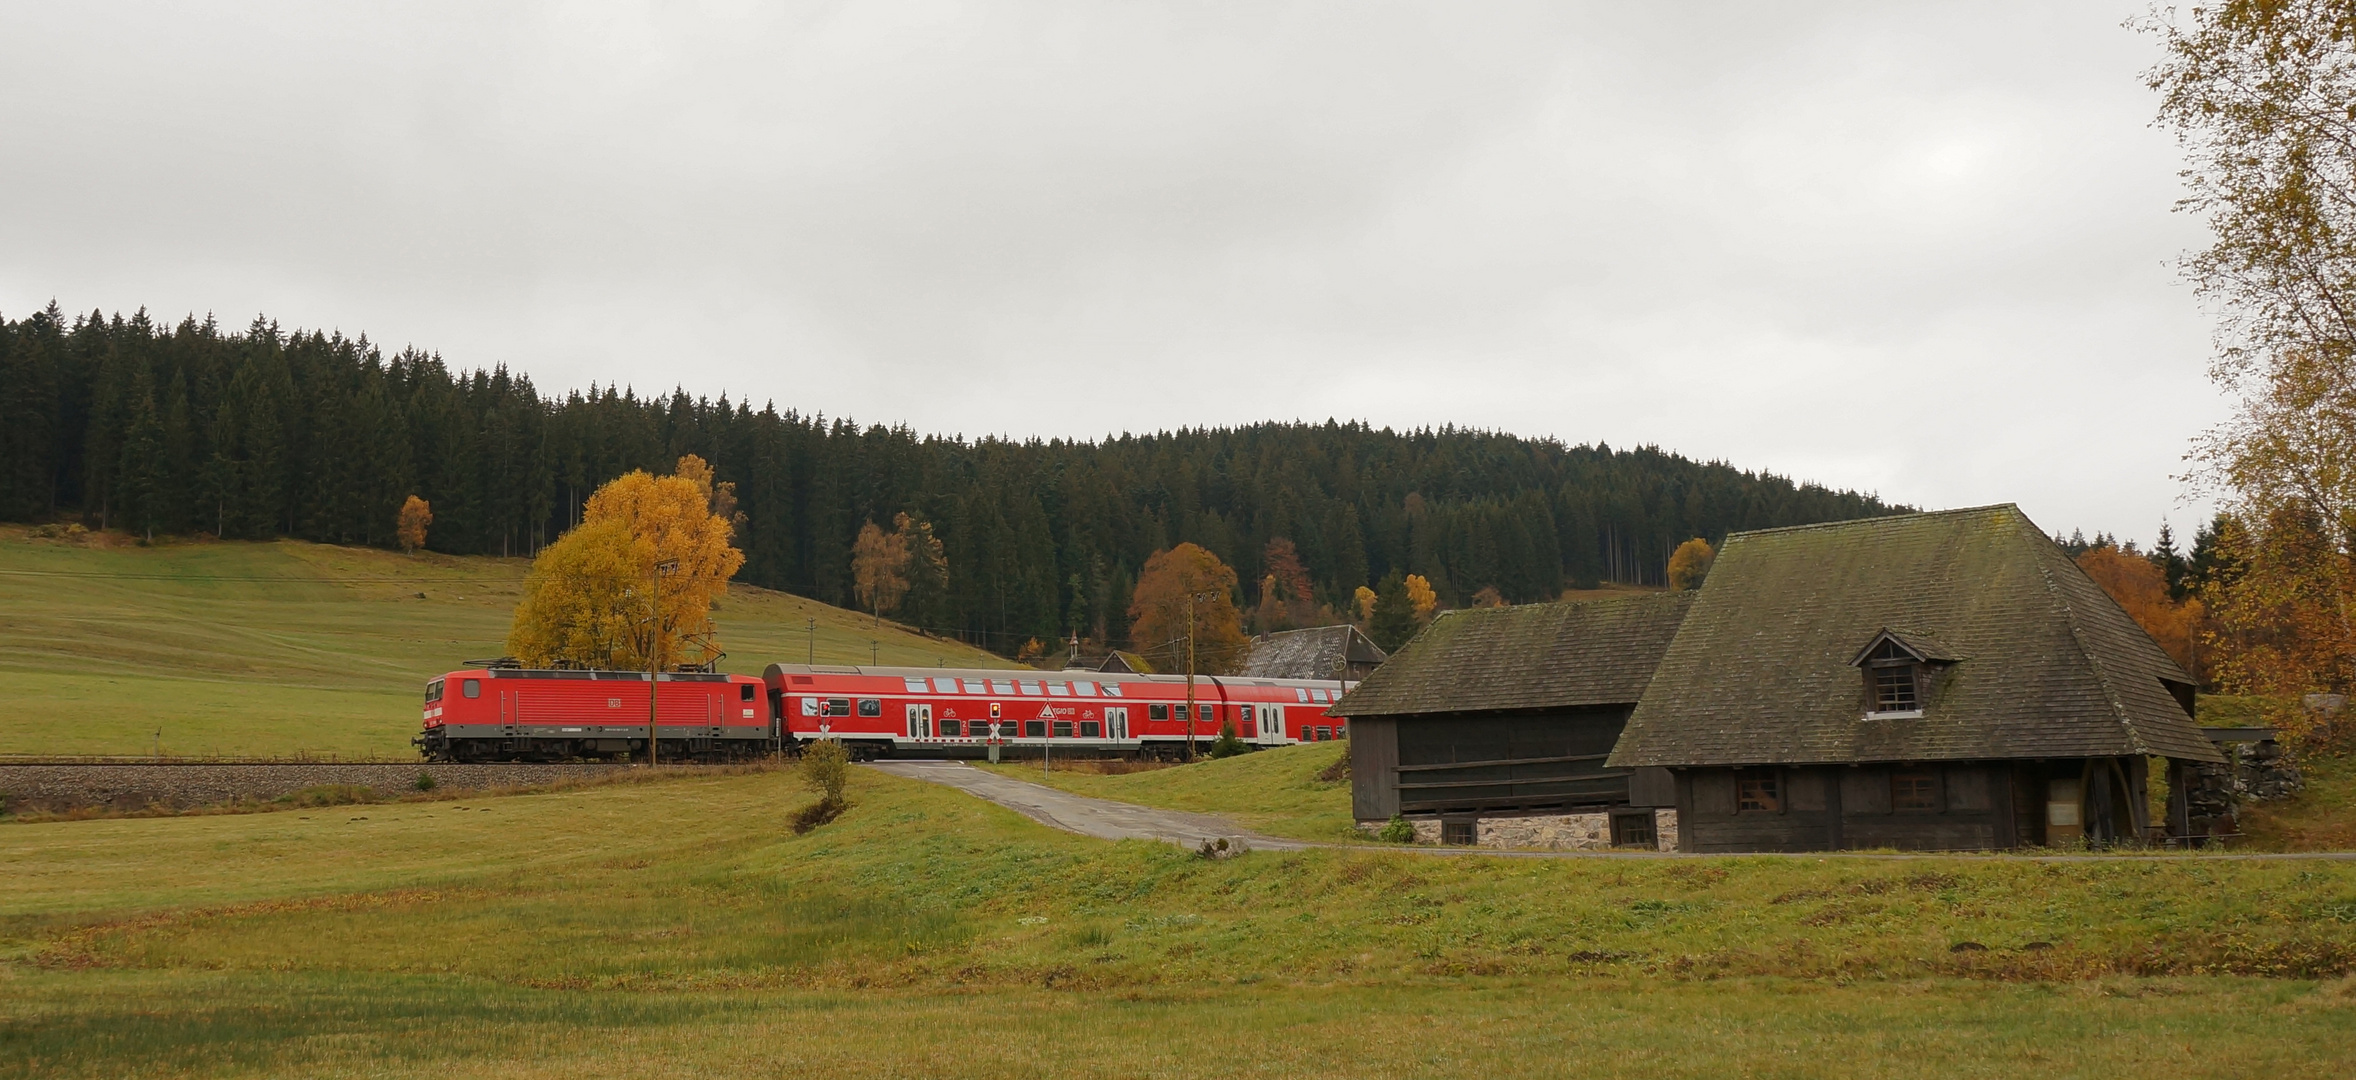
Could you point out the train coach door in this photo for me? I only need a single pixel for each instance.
(1272, 725)
(920, 721)
(1116, 722)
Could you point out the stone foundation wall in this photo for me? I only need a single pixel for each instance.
(134, 787)
(1544, 832)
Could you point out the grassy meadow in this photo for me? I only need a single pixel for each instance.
(676, 928)
(286, 647)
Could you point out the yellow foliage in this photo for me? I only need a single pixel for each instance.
(879, 568)
(1421, 597)
(1365, 598)
(2142, 590)
(416, 514)
(1159, 609)
(1690, 563)
(586, 601)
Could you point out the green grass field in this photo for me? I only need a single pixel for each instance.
(673, 928)
(286, 647)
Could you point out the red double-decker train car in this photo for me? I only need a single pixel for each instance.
(510, 714)
(936, 712)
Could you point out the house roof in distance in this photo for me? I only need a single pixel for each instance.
(2033, 659)
(1530, 656)
(1319, 652)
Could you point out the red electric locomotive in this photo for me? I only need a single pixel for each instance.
(936, 712)
(510, 714)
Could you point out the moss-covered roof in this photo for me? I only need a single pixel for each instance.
(1319, 652)
(1530, 656)
(2033, 659)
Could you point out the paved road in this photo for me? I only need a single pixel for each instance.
(1109, 820)
(1100, 818)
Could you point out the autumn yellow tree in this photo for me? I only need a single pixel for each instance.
(2141, 589)
(1364, 600)
(1690, 563)
(633, 585)
(416, 514)
(1421, 597)
(1186, 588)
(879, 569)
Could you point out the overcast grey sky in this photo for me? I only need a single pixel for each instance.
(1920, 250)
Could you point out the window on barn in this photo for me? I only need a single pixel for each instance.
(1914, 791)
(1465, 831)
(1758, 795)
(1893, 679)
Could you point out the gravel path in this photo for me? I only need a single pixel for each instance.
(1100, 818)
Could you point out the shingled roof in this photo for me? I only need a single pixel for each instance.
(1531, 656)
(2035, 659)
(1319, 652)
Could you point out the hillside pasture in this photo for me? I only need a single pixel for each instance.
(285, 647)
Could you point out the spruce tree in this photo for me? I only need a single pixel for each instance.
(140, 474)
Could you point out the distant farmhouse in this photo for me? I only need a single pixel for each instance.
(1340, 653)
(1935, 681)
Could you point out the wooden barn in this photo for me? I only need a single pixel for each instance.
(1493, 725)
(1933, 681)
(1341, 653)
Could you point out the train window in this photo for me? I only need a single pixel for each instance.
(917, 686)
(1002, 688)
(977, 686)
(1157, 712)
(1244, 713)
(1300, 693)
(1112, 689)
(433, 690)
(744, 691)
(1202, 712)
(1031, 689)
(837, 706)
(1063, 729)
(950, 729)
(1090, 729)
(1085, 689)
(1318, 696)
(1035, 729)
(470, 687)
(870, 706)
(1056, 689)
(1324, 734)
(944, 686)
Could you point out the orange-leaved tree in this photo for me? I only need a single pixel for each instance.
(416, 514)
(2141, 588)
(1690, 563)
(634, 583)
(1186, 589)
(879, 569)
(1421, 597)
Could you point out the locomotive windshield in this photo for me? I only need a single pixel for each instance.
(433, 691)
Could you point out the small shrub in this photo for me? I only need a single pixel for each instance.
(1227, 745)
(1398, 830)
(826, 768)
(1338, 771)
(425, 782)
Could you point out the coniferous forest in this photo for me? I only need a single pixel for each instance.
(177, 429)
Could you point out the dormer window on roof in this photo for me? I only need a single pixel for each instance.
(1897, 675)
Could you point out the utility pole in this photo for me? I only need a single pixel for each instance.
(813, 660)
(654, 653)
(874, 653)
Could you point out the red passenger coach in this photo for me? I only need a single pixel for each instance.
(510, 714)
(940, 712)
